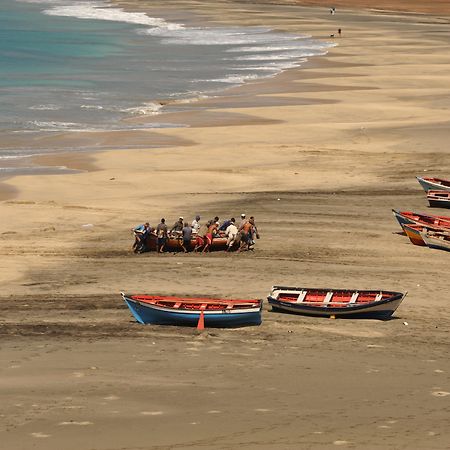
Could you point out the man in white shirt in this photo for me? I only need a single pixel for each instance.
(195, 224)
(231, 233)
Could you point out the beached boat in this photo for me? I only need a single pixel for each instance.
(335, 302)
(434, 184)
(421, 219)
(413, 231)
(439, 199)
(437, 240)
(173, 244)
(162, 310)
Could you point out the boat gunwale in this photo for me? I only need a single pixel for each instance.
(237, 306)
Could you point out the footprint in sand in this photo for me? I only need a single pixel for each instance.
(40, 435)
(341, 442)
(78, 374)
(152, 413)
(214, 411)
(438, 371)
(111, 397)
(440, 393)
(262, 410)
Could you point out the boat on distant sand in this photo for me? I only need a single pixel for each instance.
(434, 184)
(173, 244)
(413, 231)
(367, 304)
(421, 219)
(215, 312)
(437, 240)
(439, 199)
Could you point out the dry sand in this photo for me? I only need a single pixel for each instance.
(319, 155)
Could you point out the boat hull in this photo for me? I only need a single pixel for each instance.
(435, 242)
(439, 199)
(174, 244)
(409, 217)
(414, 234)
(434, 203)
(429, 185)
(382, 309)
(156, 315)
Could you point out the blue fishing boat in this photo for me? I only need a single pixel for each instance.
(320, 302)
(213, 312)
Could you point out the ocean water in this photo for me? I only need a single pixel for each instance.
(85, 65)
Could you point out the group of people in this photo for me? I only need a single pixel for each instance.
(239, 236)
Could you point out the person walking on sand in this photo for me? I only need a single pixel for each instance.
(187, 236)
(161, 233)
(339, 32)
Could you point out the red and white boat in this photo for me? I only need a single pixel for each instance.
(352, 303)
(421, 219)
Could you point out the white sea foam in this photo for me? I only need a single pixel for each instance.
(219, 36)
(103, 11)
(232, 79)
(268, 48)
(51, 125)
(97, 107)
(144, 110)
(277, 56)
(49, 107)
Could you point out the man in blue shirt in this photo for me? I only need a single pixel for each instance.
(140, 237)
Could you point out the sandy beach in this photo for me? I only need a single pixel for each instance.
(319, 155)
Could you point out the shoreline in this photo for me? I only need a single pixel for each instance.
(320, 155)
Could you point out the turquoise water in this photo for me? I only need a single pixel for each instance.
(85, 65)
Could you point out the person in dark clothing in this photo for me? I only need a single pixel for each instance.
(187, 236)
(161, 232)
(141, 233)
(177, 227)
(225, 225)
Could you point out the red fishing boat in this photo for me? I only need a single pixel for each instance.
(421, 219)
(429, 183)
(173, 244)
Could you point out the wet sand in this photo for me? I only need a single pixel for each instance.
(319, 156)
